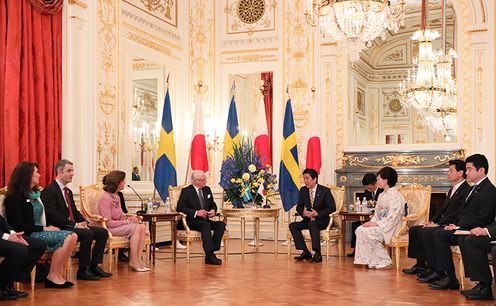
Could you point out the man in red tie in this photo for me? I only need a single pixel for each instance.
(61, 211)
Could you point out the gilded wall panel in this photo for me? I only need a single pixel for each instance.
(202, 53)
(298, 61)
(107, 91)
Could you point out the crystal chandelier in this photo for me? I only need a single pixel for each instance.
(429, 87)
(354, 24)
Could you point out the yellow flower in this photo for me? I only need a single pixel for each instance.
(255, 185)
(245, 176)
(262, 171)
(252, 168)
(233, 180)
(238, 181)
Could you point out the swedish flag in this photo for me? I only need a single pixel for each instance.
(289, 173)
(232, 131)
(165, 168)
(247, 196)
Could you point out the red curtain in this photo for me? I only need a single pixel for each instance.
(30, 87)
(267, 92)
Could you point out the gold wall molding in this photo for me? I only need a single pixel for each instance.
(421, 178)
(251, 58)
(230, 52)
(107, 85)
(79, 3)
(252, 40)
(400, 160)
(151, 36)
(163, 10)
(341, 95)
(151, 44)
(146, 23)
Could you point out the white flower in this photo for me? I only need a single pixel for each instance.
(245, 176)
(252, 168)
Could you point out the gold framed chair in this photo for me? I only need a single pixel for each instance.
(418, 198)
(89, 205)
(333, 230)
(188, 235)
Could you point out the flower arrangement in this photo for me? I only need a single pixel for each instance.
(243, 177)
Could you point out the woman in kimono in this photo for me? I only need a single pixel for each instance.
(386, 220)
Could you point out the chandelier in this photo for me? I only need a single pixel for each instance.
(430, 88)
(354, 24)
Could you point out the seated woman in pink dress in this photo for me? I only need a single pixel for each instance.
(118, 223)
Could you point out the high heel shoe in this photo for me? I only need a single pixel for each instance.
(50, 284)
(137, 269)
(147, 269)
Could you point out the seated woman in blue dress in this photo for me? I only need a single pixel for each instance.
(25, 212)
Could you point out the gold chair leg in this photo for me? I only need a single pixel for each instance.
(33, 278)
(462, 272)
(147, 254)
(289, 246)
(187, 250)
(327, 249)
(225, 249)
(340, 247)
(397, 255)
(110, 259)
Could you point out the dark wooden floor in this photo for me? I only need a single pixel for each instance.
(258, 279)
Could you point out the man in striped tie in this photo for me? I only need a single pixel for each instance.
(315, 203)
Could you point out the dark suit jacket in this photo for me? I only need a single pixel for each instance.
(368, 195)
(57, 213)
(135, 177)
(479, 209)
(323, 202)
(189, 202)
(5, 228)
(452, 206)
(19, 213)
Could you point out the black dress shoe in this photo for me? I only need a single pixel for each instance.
(86, 274)
(484, 293)
(5, 295)
(317, 257)
(70, 284)
(473, 290)
(99, 272)
(445, 283)
(413, 270)
(433, 277)
(352, 254)
(50, 284)
(12, 290)
(425, 273)
(213, 260)
(304, 256)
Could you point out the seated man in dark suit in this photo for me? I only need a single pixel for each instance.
(372, 191)
(474, 249)
(315, 203)
(21, 254)
(197, 202)
(478, 211)
(451, 209)
(61, 212)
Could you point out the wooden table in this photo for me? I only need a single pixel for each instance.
(351, 216)
(255, 213)
(152, 219)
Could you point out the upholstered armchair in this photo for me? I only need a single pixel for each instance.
(333, 230)
(89, 206)
(187, 234)
(418, 198)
